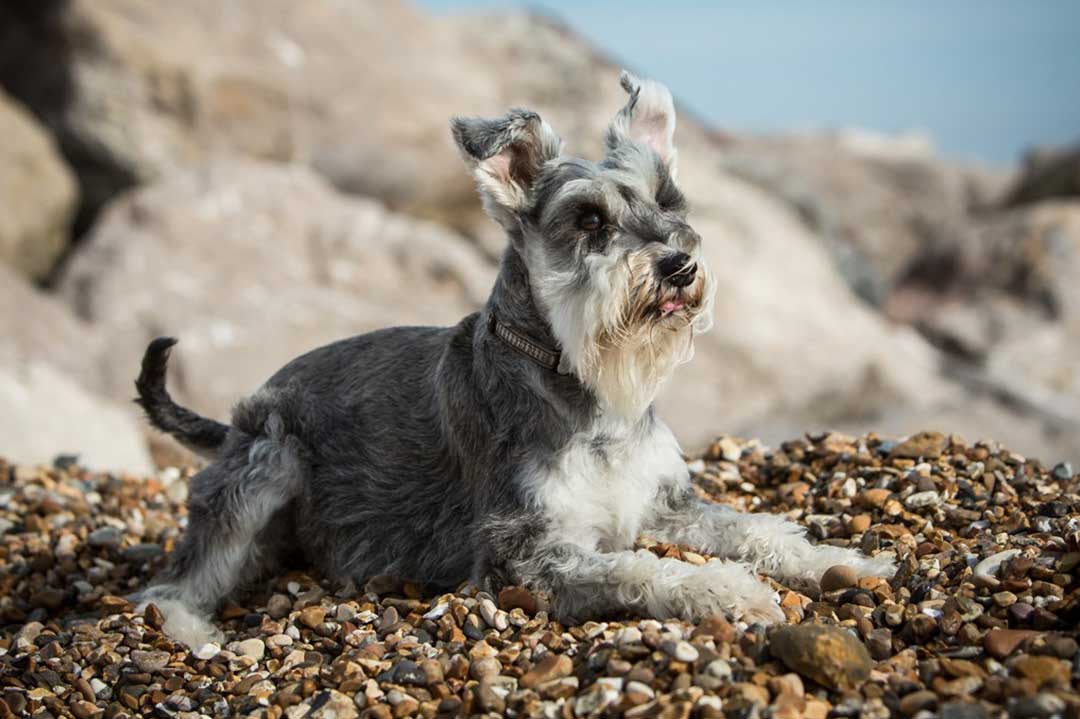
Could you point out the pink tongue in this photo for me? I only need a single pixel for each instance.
(672, 306)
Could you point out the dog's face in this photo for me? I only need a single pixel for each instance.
(612, 261)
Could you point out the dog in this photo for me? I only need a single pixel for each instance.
(519, 446)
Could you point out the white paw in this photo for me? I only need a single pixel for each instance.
(735, 590)
(183, 624)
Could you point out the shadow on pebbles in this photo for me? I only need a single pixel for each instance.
(979, 621)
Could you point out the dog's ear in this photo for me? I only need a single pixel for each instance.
(648, 117)
(505, 156)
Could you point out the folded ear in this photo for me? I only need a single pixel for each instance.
(648, 118)
(505, 156)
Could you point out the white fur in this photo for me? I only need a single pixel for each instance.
(624, 364)
(642, 582)
(649, 118)
(183, 624)
(767, 542)
(599, 500)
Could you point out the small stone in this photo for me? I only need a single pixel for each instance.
(85, 709)
(875, 498)
(1021, 613)
(488, 611)
(919, 500)
(729, 449)
(142, 552)
(879, 643)
(517, 598)
(409, 672)
(484, 667)
(859, 523)
(105, 537)
(1000, 643)
(150, 662)
(489, 699)
(1004, 599)
(1044, 671)
(830, 656)
(838, 577)
(991, 566)
(1062, 471)
(558, 688)
(918, 701)
(638, 693)
(717, 627)
(329, 704)
(551, 666)
(254, 648)
(680, 651)
(279, 606)
(312, 617)
(207, 651)
(924, 445)
(1041, 706)
(153, 616)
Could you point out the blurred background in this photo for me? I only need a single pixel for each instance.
(889, 194)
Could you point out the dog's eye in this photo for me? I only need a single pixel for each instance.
(590, 221)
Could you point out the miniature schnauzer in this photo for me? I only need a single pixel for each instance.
(519, 446)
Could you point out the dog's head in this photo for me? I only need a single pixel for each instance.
(612, 261)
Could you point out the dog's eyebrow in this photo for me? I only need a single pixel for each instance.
(627, 193)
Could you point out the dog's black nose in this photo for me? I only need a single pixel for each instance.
(674, 269)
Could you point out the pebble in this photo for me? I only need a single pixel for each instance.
(279, 606)
(254, 648)
(976, 618)
(923, 445)
(311, 617)
(919, 500)
(552, 666)
(829, 655)
(1000, 643)
(107, 536)
(150, 662)
(207, 651)
(838, 577)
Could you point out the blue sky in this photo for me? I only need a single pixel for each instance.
(984, 78)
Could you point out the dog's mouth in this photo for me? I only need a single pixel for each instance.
(670, 307)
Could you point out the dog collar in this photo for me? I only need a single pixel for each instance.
(524, 344)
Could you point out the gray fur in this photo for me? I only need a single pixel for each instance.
(441, 455)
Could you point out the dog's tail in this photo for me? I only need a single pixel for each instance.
(200, 434)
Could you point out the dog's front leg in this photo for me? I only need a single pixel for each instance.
(585, 583)
(769, 543)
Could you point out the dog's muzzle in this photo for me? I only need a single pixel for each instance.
(676, 269)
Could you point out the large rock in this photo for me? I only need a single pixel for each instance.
(831, 656)
(45, 407)
(1028, 297)
(1010, 315)
(886, 207)
(233, 260)
(250, 264)
(1048, 174)
(37, 194)
(362, 91)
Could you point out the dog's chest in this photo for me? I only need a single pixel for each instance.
(601, 487)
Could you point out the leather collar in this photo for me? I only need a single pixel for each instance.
(522, 343)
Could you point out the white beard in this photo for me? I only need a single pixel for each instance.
(609, 341)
